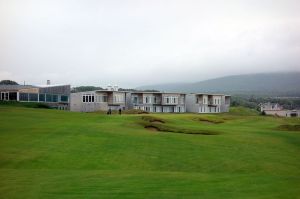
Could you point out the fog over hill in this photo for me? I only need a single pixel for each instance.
(265, 84)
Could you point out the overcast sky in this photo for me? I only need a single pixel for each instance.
(133, 43)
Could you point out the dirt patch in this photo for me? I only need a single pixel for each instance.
(135, 111)
(153, 119)
(156, 124)
(209, 121)
(289, 127)
(151, 128)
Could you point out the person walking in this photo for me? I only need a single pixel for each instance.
(120, 111)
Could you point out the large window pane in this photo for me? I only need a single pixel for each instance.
(41, 97)
(13, 96)
(55, 98)
(64, 98)
(23, 96)
(33, 97)
(48, 98)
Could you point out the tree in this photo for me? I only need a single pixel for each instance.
(8, 82)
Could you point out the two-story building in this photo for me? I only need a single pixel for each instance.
(158, 102)
(99, 100)
(207, 103)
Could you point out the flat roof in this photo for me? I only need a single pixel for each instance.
(149, 92)
(16, 87)
(211, 94)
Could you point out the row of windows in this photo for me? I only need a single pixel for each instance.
(118, 98)
(149, 100)
(216, 101)
(209, 109)
(156, 100)
(89, 98)
(160, 109)
(39, 97)
(171, 100)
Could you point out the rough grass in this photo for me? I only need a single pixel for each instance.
(58, 154)
(289, 127)
(24, 104)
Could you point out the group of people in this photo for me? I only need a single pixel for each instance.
(109, 111)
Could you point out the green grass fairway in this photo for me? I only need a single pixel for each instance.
(57, 154)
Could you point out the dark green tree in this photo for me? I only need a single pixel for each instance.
(8, 82)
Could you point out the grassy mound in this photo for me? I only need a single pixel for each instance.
(243, 111)
(156, 124)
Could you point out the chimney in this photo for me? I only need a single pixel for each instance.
(116, 88)
(48, 82)
(109, 88)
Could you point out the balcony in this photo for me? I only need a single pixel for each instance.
(211, 103)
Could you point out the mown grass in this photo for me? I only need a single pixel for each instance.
(58, 154)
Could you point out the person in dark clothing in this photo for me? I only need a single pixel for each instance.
(120, 111)
(109, 111)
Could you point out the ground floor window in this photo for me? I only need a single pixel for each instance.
(4, 96)
(33, 97)
(23, 96)
(13, 96)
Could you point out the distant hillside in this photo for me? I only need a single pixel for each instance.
(270, 84)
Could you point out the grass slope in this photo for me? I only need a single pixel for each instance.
(56, 154)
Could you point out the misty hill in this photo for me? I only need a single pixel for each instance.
(270, 84)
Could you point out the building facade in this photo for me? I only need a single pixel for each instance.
(270, 107)
(277, 110)
(55, 96)
(99, 100)
(157, 102)
(207, 103)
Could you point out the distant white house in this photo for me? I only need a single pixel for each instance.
(277, 110)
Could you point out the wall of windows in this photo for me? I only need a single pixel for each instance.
(171, 100)
(41, 97)
(88, 98)
(33, 97)
(119, 98)
(23, 97)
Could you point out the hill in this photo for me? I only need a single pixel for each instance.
(57, 154)
(269, 84)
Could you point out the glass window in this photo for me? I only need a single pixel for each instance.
(93, 98)
(64, 98)
(48, 98)
(104, 98)
(13, 96)
(55, 98)
(23, 96)
(33, 97)
(41, 97)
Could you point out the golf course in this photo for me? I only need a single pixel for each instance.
(46, 153)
